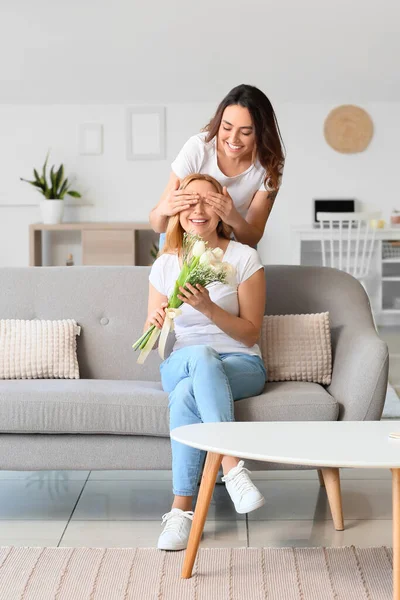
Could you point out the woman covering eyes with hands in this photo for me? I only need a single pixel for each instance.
(241, 148)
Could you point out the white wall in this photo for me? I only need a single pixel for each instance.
(120, 190)
(126, 190)
(118, 51)
(59, 60)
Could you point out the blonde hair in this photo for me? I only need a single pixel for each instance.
(175, 231)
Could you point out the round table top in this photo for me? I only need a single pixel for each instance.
(312, 443)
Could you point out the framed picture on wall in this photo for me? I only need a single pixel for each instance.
(90, 138)
(145, 133)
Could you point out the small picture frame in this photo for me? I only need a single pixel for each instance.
(91, 139)
(145, 133)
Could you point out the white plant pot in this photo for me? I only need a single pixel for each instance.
(52, 211)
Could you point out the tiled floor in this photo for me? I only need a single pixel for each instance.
(124, 509)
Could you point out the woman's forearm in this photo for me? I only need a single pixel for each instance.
(158, 221)
(237, 328)
(245, 233)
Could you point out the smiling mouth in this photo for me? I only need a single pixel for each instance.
(198, 221)
(233, 147)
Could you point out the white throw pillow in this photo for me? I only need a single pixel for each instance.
(38, 349)
(297, 347)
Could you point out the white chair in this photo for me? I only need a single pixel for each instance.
(348, 241)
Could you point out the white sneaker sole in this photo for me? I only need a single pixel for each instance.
(251, 507)
(176, 547)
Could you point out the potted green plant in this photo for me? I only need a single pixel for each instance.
(53, 190)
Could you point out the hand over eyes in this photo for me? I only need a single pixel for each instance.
(223, 206)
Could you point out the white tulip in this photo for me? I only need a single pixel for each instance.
(230, 273)
(218, 253)
(218, 267)
(207, 258)
(198, 248)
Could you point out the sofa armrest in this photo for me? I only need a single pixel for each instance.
(360, 373)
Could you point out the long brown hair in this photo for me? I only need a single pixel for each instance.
(269, 143)
(175, 231)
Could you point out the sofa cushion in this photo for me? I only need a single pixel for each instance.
(289, 401)
(83, 406)
(138, 407)
(297, 347)
(38, 349)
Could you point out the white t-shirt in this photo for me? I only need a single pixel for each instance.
(197, 156)
(194, 328)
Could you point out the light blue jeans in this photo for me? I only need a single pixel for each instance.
(202, 387)
(161, 241)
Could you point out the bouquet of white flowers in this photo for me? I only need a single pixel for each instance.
(200, 265)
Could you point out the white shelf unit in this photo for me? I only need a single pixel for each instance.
(383, 286)
(390, 285)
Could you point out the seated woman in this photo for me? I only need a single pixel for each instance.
(215, 360)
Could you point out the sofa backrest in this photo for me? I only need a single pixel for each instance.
(110, 304)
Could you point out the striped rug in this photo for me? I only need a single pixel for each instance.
(220, 574)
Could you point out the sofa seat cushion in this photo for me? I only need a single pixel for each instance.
(289, 401)
(83, 406)
(138, 407)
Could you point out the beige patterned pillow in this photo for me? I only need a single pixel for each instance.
(297, 348)
(38, 349)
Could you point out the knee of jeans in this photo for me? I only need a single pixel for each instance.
(182, 394)
(203, 353)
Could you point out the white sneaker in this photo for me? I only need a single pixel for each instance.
(244, 494)
(176, 531)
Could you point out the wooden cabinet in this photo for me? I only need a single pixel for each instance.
(102, 243)
(108, 247)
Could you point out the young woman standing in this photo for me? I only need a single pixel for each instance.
(241, 148)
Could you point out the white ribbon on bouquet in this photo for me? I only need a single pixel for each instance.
(170, 315)
(149, 346)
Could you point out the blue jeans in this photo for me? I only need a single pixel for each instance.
(161, 241)
(202, 387)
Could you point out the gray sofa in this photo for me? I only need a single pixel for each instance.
(116, 415)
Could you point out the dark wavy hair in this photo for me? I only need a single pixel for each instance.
(269, 143)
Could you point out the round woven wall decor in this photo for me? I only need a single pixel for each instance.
(348, 129)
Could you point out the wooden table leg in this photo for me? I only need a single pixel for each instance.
(396, 532)
(332, 484)
(210, 472)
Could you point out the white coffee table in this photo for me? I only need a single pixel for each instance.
(325, 445)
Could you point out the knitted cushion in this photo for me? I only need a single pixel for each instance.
(38, 349)
(297, 348)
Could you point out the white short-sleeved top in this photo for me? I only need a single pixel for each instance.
(199, 156)
(194, 328)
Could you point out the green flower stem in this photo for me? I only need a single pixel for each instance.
(184, 275)
(146, 339)
(143, 337)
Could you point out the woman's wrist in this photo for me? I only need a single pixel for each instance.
(245, 233)
(210, 311)
(157, 220)
(158, 212)
(237, 221)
